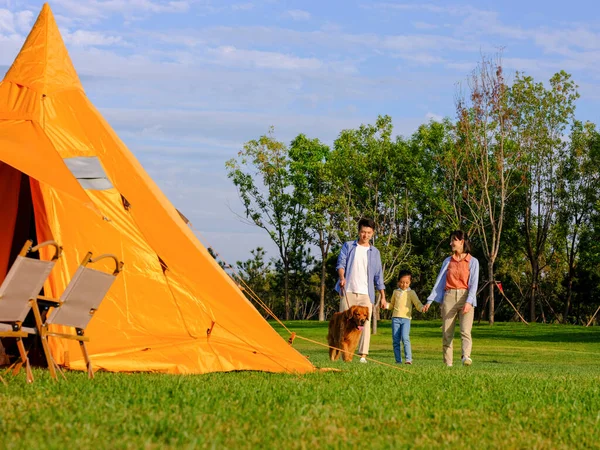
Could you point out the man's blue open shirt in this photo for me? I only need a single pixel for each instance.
(374, 269)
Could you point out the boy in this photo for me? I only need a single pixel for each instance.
(401, 304)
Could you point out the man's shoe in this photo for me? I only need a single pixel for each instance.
(363, 360)
(467, 361)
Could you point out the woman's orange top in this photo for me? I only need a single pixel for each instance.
(457, 276)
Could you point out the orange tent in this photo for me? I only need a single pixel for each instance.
(65, 175)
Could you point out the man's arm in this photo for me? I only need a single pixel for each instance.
(382, 297)
(341, 265)
(341, 272)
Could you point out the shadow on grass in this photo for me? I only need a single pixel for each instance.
(501, 330)
(585, 336)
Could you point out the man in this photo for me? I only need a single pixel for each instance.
(360, 273)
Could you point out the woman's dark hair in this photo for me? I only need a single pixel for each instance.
(365, 222)
(404, 273)
(460, 235)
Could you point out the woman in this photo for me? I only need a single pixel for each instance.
(455, 288)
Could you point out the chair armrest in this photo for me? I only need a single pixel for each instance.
(48, 301)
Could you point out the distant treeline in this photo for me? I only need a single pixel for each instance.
(516, 170)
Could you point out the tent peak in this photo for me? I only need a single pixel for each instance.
(43, 64)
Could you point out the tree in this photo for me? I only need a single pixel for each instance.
(258, 279)
(541, 116)
(578, 196)
(262, 177)
(311, 177)
(492, 160)
(371, 172)
(385, 179)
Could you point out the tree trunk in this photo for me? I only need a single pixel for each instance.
(534, 281)
(322, 294)
(286, 291)
(569, 296)
(491, 292)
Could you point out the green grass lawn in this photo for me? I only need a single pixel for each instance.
(530, 387)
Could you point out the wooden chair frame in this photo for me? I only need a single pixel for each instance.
(79, 335)
(17, 331)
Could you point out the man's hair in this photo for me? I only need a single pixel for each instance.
(366, 222)
(461, 235)
(404, 273)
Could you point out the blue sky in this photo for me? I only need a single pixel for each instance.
(185, 83)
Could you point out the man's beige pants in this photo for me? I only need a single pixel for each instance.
(454, 302)
(350, 300)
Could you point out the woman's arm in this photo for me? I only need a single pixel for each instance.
(437, 293)
(473, 281)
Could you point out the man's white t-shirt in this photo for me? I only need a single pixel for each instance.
(358, 281)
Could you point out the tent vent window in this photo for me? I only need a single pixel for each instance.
(89, 172)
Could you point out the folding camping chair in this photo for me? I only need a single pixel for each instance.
(76, 307)
(18, 292)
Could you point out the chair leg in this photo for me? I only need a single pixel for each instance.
(86, 357)
(25, 359)
(16, 367)
(42, 333)
(49, 358)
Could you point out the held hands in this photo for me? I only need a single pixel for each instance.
(426, 307)
(384, 304)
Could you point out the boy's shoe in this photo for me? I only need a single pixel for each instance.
(467, 361)
(408, 362)
(363, 360)
(398, 362)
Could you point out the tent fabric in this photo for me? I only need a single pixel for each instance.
(10, 185)
(172, 309)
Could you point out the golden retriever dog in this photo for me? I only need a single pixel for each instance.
(345, 329)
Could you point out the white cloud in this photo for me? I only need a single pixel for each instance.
(411, 7)
(85, 38)
(263, 60)
(96, 9)
(433, 116)
(427, 42)
(15, 22)
(24, 20)
(422, 59)
(297, 14)
(242, 6)
(7, 23)
(464, 67)
(425, 26)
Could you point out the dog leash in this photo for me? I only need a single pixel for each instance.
(345, 297)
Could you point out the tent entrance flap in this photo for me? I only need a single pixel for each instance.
(18, 223)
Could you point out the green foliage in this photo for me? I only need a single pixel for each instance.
(270, 198)
(529, 387)
(259, 280)
(505, 171)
